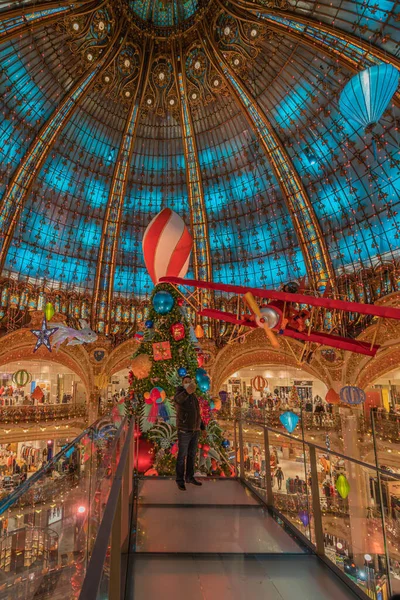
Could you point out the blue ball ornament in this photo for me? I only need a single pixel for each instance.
(163, 302)
(212, 405)
(204, 384)
(225, 443)
(149, 324)
(182, 371)
(200, 373)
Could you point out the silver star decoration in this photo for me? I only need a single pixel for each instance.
(43, 335)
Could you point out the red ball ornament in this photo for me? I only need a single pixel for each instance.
(145, 455)
(181, 301)
(178, 331)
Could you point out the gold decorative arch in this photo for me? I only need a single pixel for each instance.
(256, 351)
(120, 357)
(19, 345)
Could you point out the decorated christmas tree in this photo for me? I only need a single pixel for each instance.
(167, 351)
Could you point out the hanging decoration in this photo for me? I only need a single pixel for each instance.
(76, 337)
(200, 373)
(162, 351)
(204, 384)
(332, 397)
(342, 486)
(37, 394)
(289, 420)
(43, 335)
(49, 311)
(367, 95)
(138, 337)
(182, 372)
(167, 245)
(141, 366)
(21, 377)
(259, 383)
(352, 395)
(178, 331)
(304, 517)
(163, 302)
(149, 324)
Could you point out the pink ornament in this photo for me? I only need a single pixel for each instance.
(174, 449)
(167, 245)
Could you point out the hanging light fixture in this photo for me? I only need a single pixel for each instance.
(366, 96)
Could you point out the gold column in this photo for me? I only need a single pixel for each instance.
(305, 222)
(198, 217)
(104, 281)
(13, 200)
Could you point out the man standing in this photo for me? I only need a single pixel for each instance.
(188, 423)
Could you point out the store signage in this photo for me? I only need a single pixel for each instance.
(302, 383)
(259, 383)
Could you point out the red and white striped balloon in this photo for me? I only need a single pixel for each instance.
(167, 244)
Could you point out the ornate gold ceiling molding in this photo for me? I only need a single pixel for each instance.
(306, 225)
(43, 14)
(13, 200)
(104, 280)
(277, 9)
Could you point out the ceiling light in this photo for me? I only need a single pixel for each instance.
(253, 32)
(227, 30)
(89, 56)
(127, 62)
(101, 25)
(197, 65)
(75, 26)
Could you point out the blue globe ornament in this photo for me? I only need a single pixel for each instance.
(289, 420)
(352, 395)
(204, 383)
(225, 443)
(149, 324)
(182, 371)
(212, 405)
(200, 373)
(163, 302)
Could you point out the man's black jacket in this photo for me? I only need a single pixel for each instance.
(188, 416)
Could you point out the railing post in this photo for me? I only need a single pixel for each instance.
(235, 445)
(268, 478)
(316, 505)
(241, 452)
(114, 584)
(125, 499)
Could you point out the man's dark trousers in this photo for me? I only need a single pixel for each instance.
(187, 448)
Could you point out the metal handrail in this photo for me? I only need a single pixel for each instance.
(22, 489)
(325, 450)
(94, 570)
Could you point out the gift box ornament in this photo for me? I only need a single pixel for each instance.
(162, 351)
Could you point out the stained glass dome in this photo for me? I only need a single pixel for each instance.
(228, 113)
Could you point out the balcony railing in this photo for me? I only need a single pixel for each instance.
(45, 412)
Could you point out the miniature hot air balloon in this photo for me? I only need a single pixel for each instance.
(167, 244)
(289, 420)
(366, 96)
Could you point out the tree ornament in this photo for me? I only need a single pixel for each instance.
(43, 335)
(217, 404)
(162, 351)
(21, 377)
(226, 444)
(138, 337)
(149, 324)
(342, 486)
(141, 366)
(200, 373)
(163, 302)
(199, 331)
(182, 372)
(167, 245)
(156, 407)
(178, 331)
(49, 311)
(204, 384)
(352, 395)
(181, 301)
(289, 420)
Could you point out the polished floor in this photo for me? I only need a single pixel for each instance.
(217, 543)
